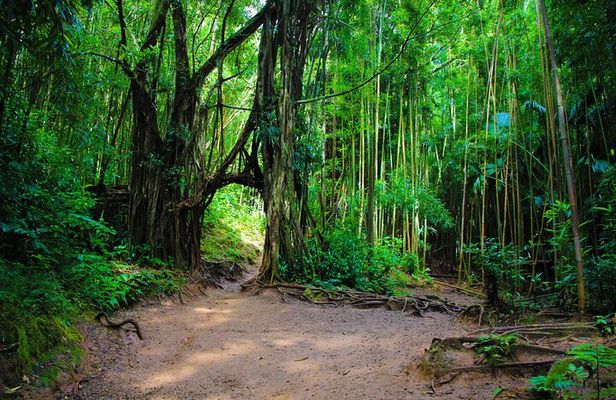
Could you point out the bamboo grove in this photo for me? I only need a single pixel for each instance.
(473, 138)
(460, 146)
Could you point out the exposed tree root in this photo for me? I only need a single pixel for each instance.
(213, 272)
(440, 359)
(534, 365)
(315, 295)
(610, 341)
(448, 378)
(475, 310)
(540, 329)
(554, 314)
(108, 323)
(459, 343)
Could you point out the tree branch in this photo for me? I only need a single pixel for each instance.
(122, 22)
(129, 72)
(160, 15)
(234, 41)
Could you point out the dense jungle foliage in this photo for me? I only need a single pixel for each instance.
(347, 144)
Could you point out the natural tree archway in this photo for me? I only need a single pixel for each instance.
(169, 188)
(168, 191)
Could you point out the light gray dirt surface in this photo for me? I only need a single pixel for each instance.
(233, 345)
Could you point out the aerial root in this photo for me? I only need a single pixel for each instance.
(212, 273)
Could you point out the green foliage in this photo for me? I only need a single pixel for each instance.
(110, 284)
(600, 275)
(604, 209)
(57, 24)
(233, 227)
(605, 324)
(401, 194)
(40, 305)
(494, 349)
(594, 356)
(600, 270)
(55, 263)
(562, 376)
(268, 128)
(346, 260)
(455, 149)
(341, 261)
(579, 375)
(308, 147)
(558, 218)
(503, 265)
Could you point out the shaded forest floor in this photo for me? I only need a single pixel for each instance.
(228, 344)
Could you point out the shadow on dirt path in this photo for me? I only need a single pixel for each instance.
(232, 345)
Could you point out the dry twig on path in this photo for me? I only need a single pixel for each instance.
(108, 323)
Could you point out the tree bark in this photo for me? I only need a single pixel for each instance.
(283, 185)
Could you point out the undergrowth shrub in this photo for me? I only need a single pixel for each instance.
(346, 260)
(502, 266)
(494, 349)
(600, 275)
(55, 263)
(600, 271)
(583, 374)
(109, 284)
(40, 304)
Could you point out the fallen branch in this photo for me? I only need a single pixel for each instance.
(7, 347)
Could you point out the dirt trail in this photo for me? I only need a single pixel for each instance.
(232, 345)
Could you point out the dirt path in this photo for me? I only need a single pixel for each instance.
(231, 345)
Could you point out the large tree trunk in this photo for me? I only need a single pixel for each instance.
(167, 186)
(283, 187)
(157, 216)
(146, 181)
(154, 189)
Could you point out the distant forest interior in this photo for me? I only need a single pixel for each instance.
(370, 153)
